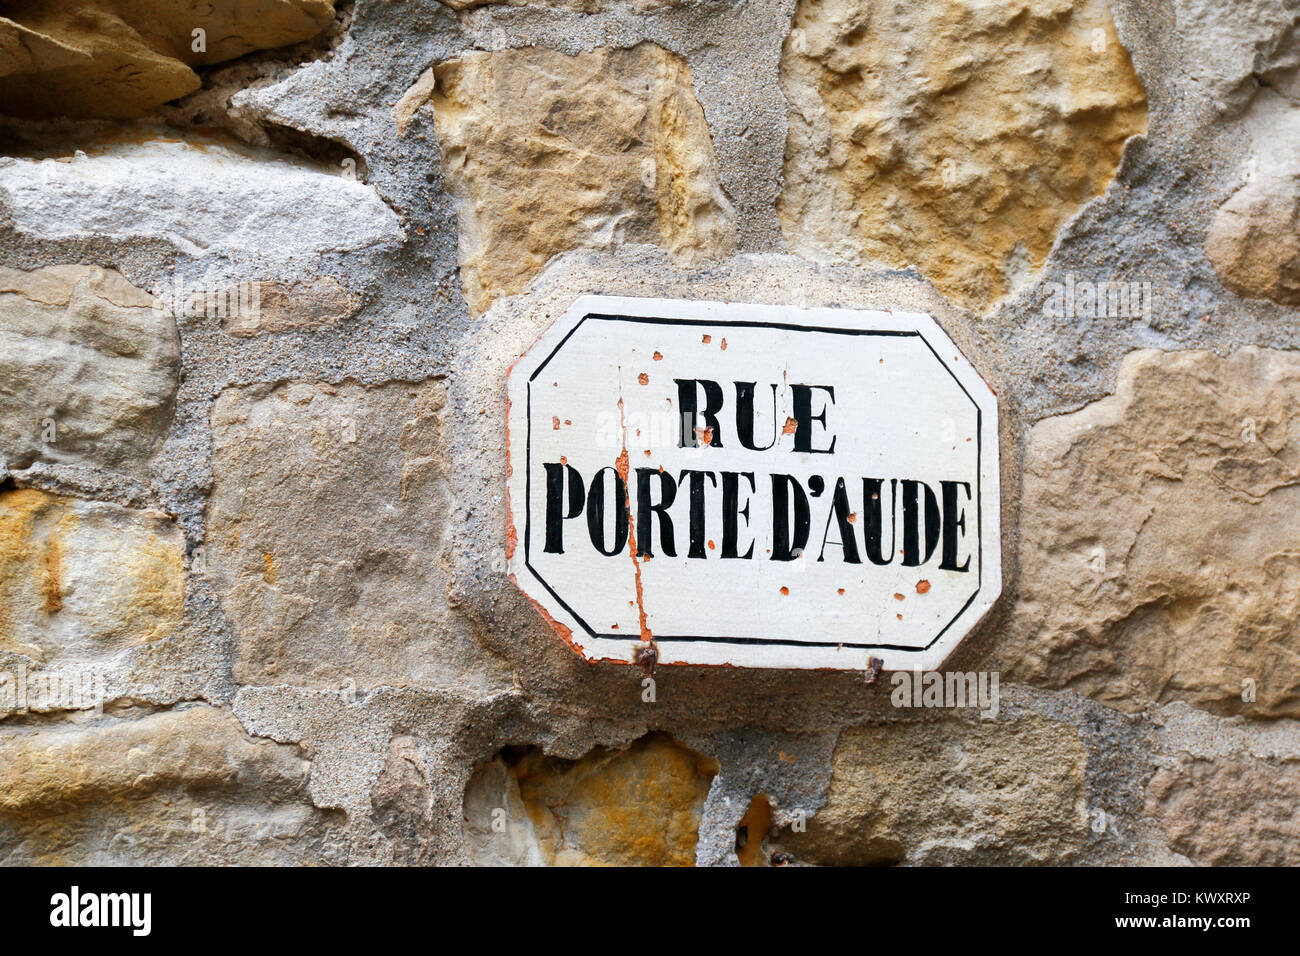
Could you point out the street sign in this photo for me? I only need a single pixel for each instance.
(754, 486)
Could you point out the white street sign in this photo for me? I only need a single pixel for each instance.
(755, 486)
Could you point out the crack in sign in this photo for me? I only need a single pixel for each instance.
(621, 466)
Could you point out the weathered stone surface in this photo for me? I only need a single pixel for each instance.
(547, 152)
(1237, 810)
(121, 58)
(270, 306)
(403, 802)
(639, 806)
(396, 759)
(206, 197)
(81, 580)
(647, 7)
(325, 533)
(410, 102)
(954, 137)
(88, 367)
(1228, 57)
(182, 786)
(1254, 240)
(578, 6)
(1158, 553)
(950, 791)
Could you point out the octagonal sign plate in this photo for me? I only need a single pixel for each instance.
(754, 486)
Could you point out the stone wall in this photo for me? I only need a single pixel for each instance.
(263, 268)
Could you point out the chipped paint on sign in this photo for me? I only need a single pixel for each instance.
(822, 493)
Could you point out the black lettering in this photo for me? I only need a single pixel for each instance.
(872, 489)
(954, 520)
(745, 416)
(804, 417)
(732, 512)
(555, 514)
(840, 512)
(596, 512)
(645, 512)
(785, 491)
(696, 500)
(688, 409)
(912, 508)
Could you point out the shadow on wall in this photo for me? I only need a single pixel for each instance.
(636, 807)
(119, 59)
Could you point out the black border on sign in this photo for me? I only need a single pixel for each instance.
(785, 326)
